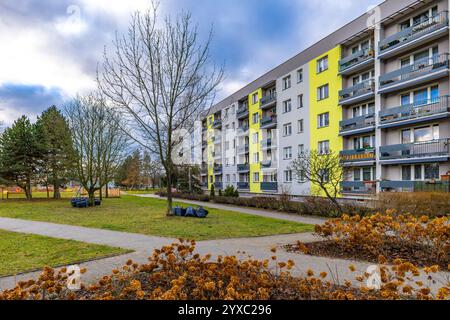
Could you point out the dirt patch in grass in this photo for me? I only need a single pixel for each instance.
(416, 254)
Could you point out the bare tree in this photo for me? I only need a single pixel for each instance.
(160, 77)
(97, 139)
(323, 170)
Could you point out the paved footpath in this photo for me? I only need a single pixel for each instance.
(143, 246)
(256, 212)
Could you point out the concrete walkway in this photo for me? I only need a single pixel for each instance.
(258, 248)
(255, 212)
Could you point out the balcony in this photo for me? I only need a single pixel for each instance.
(357, 93)
(361, 156)
(268, 144)
(267, 164)
(217, 139)
(427, 110)
(415, 186)
(356, 61)
(217, 124)
(358, 188)
(418, 152)
(268, 101)
(269, 122)
(420, 33)
(242, 130)
(357, 125)
(242, 113)
(243, 149)
(421, 71)
(204, 170)
(269, 186)
(243, 168)
(218, 170)
(243, 186)
(218, 185)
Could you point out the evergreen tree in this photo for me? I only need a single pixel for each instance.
(20, 155)
(56, 142)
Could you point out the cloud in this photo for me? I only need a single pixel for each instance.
(17, 100)
(57, 44)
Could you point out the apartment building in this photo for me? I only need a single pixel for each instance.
(376, 90)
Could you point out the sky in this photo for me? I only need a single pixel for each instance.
(50, 49)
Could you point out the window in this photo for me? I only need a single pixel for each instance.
(299, 75)
(418, 172)
(406, 173)
(324, 175)
(286, 82)
(287, 129)
(300, 126)
(287, 106)
(367, 174)
(357, 174)
(301, 148)
(255, 118)
(287, 153)
(323, 92)
(255, 98)
(228, 178)
(301, 176)
(256, 157)
(256, 177)
(323, 120)
(288, 176)
(234, 178)
(432, 171)
(324, 147)
(256, 138)
(322, 64)
(300, 101)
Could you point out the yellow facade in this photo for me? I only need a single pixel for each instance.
(255, 167)
(331, 104)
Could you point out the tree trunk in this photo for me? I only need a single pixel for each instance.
(56, 192)
(107, 192)
(169, 194)
(48, 191)
(101, 193)
(91, 195)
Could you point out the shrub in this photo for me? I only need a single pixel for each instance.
(176, 272)
(432, 204)
(212, 193)
(230, 192)
(380, 233)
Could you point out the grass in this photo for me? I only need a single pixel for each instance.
(147, 216)
(22, 252)
(40, 195)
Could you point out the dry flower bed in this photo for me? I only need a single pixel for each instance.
(421, 241)
(177, 272)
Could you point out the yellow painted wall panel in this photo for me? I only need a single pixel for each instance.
(255, 167)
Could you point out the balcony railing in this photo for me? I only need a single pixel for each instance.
(359, 187)
(358, 90)
(417, 110)
(217, 123)
(243, 149)
(420, 68)
(413, 150)
(266, 164)
(268, 122)
(242, 130)
(242, 112)
(356, 123)
(358, 155)
(243, 185)
(414, 32)
(268, 100)
(267, 144)
(218, 169)
(218, 185)
(416, 186)
(243, 167)
(204, 169)
(355, 59)
(269, 186)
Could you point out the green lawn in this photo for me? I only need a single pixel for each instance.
(39, 195)
(147, 216)
(21, 252)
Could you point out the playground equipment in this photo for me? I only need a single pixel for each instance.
(190, 212)
(83, 202)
